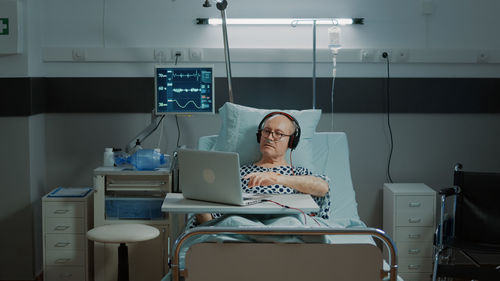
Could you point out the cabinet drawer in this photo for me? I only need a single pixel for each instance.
(424, 218)
(415, 203)
(65, 257)
(64, 225)
(414, 211)
(65, 241)
(64, 209)
(415, 265)
(414, 249)
(65, 273)
(417, 234)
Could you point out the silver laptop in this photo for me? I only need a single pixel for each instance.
(213, 176)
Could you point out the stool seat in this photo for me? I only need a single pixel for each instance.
(123, 233)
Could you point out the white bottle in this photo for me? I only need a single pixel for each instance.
(109, 159)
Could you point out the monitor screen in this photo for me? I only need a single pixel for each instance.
(184, 89)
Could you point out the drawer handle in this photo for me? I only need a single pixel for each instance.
(60, 212)
(413, 251)
(414, 220)
(415, 204)
(61, 227)
(62, 244)
(414, 266)
(413, 236)
(63, 260)
(66, 275)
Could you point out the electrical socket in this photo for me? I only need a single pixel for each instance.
(161, 55)
(482, 57)
(367, 55)
(195, 54)
(183, 54)
(78, 54)
(401, 55)
(380, 54)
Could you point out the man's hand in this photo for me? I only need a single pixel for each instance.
(262, 179)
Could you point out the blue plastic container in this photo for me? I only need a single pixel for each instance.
(134, 208)
(147, 159)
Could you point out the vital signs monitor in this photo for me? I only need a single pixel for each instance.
(184, 89)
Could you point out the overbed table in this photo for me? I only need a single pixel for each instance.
(177, 206)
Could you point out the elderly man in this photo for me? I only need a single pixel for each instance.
(278, 132)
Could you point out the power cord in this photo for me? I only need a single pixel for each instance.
(177, 55)
(388, 101)
(178, 131)
(288, 207)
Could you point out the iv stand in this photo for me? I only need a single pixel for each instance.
(221, 6)
(294, 24)
(314, 66)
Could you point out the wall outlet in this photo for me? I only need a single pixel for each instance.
(400, 55)
(380, 55)
(367, 55)
(482, 57)
(195, 54)
(78, 54)
(161, 55)
(179, 54)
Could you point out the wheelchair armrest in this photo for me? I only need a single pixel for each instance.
(449, 191)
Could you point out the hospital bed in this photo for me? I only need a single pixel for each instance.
(353, 255)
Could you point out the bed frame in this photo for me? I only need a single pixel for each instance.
(284, 261)
(352, 259)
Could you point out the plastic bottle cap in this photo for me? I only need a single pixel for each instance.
(108, 149)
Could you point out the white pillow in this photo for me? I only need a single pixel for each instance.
(239, 127)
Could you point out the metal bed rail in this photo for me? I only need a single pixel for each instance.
(373, 232)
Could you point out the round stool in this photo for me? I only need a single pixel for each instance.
(123, 233)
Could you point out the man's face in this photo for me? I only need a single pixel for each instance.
(275, 136)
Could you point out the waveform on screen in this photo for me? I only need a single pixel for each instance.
(191, 90)
(186, 104)
(187, 75)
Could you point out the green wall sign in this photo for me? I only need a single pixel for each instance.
(4, 26)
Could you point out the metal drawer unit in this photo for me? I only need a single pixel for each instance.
(131, 196)
(409, 217)
(67, 254)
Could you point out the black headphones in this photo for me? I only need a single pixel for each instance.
(294, 138)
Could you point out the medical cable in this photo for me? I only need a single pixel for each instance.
(288, 207)
(177, 55)
(334, 45)
(178, 131)
(291, 164)
(334, 74)
(161, 133)
(391, 148)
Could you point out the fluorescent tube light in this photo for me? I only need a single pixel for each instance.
(281, 21)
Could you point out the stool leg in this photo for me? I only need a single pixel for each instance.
(122, 262)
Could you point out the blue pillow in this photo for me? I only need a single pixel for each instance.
(239, 126)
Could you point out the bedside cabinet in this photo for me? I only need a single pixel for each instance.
(409, 217)
(131, 196)
(67, 255)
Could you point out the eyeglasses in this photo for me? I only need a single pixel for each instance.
(276, 136)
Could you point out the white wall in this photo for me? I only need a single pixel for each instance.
(16, 217)
(447, 41)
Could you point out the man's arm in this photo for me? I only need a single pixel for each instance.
(306, 184)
